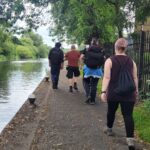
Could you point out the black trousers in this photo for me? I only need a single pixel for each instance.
(127, 112)
(90, 86)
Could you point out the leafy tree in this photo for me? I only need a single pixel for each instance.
(84, 19)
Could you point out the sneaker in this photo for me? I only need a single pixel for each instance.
(108, 131)
(130, 142)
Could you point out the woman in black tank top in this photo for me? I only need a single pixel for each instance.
(110, 79)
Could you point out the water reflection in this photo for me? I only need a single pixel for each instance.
(17, 80)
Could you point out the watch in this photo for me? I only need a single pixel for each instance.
(103, 92)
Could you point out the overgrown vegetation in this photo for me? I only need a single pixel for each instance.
(28, 46)
(142, 121)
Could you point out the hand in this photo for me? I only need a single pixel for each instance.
(136, 97)
(103, 97)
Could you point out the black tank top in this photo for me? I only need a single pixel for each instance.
(127, 62)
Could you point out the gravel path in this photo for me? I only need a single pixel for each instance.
(62, 121)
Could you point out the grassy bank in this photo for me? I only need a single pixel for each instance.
(142, 121)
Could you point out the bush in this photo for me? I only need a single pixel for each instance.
(142, 121)
(24, 52)
(43, 51)
(3, 58)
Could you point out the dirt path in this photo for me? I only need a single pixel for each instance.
(62, 121)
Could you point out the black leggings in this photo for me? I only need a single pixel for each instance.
(90, 86)
(127, 112)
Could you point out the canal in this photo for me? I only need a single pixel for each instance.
(18, 79)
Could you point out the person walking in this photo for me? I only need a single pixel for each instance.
(93, 60)
(73, 67)
(120, 87)
(56, 62)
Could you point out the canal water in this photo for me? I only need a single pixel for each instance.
(18, 79)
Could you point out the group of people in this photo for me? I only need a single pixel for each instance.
(119, 85)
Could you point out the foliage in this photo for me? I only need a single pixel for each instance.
(43, 51)
(81, 20)
(142, 121)
(24, 52)
(24, 47)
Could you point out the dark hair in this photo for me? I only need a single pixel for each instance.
(58, 45)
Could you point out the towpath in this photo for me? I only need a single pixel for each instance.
(62, 121)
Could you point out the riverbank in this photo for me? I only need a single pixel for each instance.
(62, 121)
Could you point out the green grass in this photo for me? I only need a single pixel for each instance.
(99, 87)
(142, 121)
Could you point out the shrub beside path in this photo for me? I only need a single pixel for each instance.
(62, 121)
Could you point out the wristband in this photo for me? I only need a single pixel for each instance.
(103, 92)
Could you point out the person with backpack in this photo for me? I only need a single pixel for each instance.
(120, 87)
(93, 60)
(73, 67)
(56, 62)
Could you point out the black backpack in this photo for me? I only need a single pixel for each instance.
(56, 56)
(125, 83)
(94, 57)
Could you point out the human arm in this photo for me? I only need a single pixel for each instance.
(62, 60)
(49, 57)
(81, 60)
(106, 79)
(66, 56)
(135, 78)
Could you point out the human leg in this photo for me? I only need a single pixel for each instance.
(55, 71)
(111, 111)
(127, 112)
(76, 75)
(93, 84)
(70, 78)
(112, 107)
(86, 85)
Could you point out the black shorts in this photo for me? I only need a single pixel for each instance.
(72, 72)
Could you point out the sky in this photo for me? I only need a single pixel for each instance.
(44, 32)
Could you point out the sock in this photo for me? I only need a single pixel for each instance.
(75, 85)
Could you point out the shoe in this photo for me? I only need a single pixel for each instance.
(108, 131)
(130, 142)
(88, 100)
(54, 86)
(75, 86)
(70, 89)
(131, 147)
(92, 103)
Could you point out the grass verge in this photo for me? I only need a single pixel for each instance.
(142, 121)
